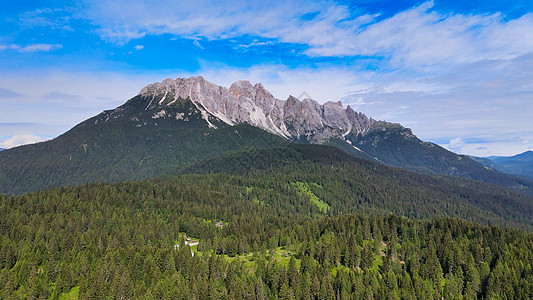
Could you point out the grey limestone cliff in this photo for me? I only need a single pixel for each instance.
(301, 120)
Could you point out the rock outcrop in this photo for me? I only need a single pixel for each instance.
(301, 120)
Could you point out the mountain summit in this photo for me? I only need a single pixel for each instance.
(307, 121)
(171, 125)
(244, 103)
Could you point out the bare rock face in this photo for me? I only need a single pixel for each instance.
(301, 120)
(258, 108)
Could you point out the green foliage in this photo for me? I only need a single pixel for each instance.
(125, 144)
(73, 294)
(352, 185)
(395, 145)
(117, 241)
(304, 189)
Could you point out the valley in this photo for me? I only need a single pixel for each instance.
(266, 150)
(165, 197)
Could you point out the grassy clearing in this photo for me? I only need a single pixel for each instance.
(256, 200)
(338, 268)
(280, 255)
(74, 293)
(283, 256)
(248, 260)
(305, 189)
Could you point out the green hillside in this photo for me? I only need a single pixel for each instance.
(520, 164)
(141, 140)
(395, 145)
(351, 184)
(119, 241)
(124, 145)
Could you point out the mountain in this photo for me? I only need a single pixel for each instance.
(303, 121)
(520, 164)
(173, 124)
(130, 142)
(307, 121)
(270, 218)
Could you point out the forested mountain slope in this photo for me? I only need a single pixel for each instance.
(127, 143)
(349, 184)
(259, 238)
(175, 123)
(520, 164)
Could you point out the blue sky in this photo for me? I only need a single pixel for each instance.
(459, 73)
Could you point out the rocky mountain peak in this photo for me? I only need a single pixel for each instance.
(241, 85)
(253, 104)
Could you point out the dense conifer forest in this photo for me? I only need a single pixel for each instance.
(183, 188)
(260, 236)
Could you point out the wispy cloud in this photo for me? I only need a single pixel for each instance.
(418, 37)
(484, 149)
(56, 18)
(197, 44)
(59, 100)
(19, 140)
(456, 145)
(60, 97)
(40, 47)
(207, 19)
(31, 47)
(7, 94)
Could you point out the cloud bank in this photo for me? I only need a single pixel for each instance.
(19, 140)
(415, 38)
(449, 76)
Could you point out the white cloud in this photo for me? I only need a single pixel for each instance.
(11, 46)
(456, 145)
(56, 101)
(415, 38)
(324, 84)
(498, 148)
(139, 47)
(57, 18)
(197, 44)
(419, 38)
(19, 140)
(40, 47)
(31, 47)
(356, 101)
(7, 93)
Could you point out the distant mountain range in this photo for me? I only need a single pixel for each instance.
(520, 164)
(175, 124)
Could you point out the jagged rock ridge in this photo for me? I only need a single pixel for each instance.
(170, 125)
(307, 121)
(300, 120)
